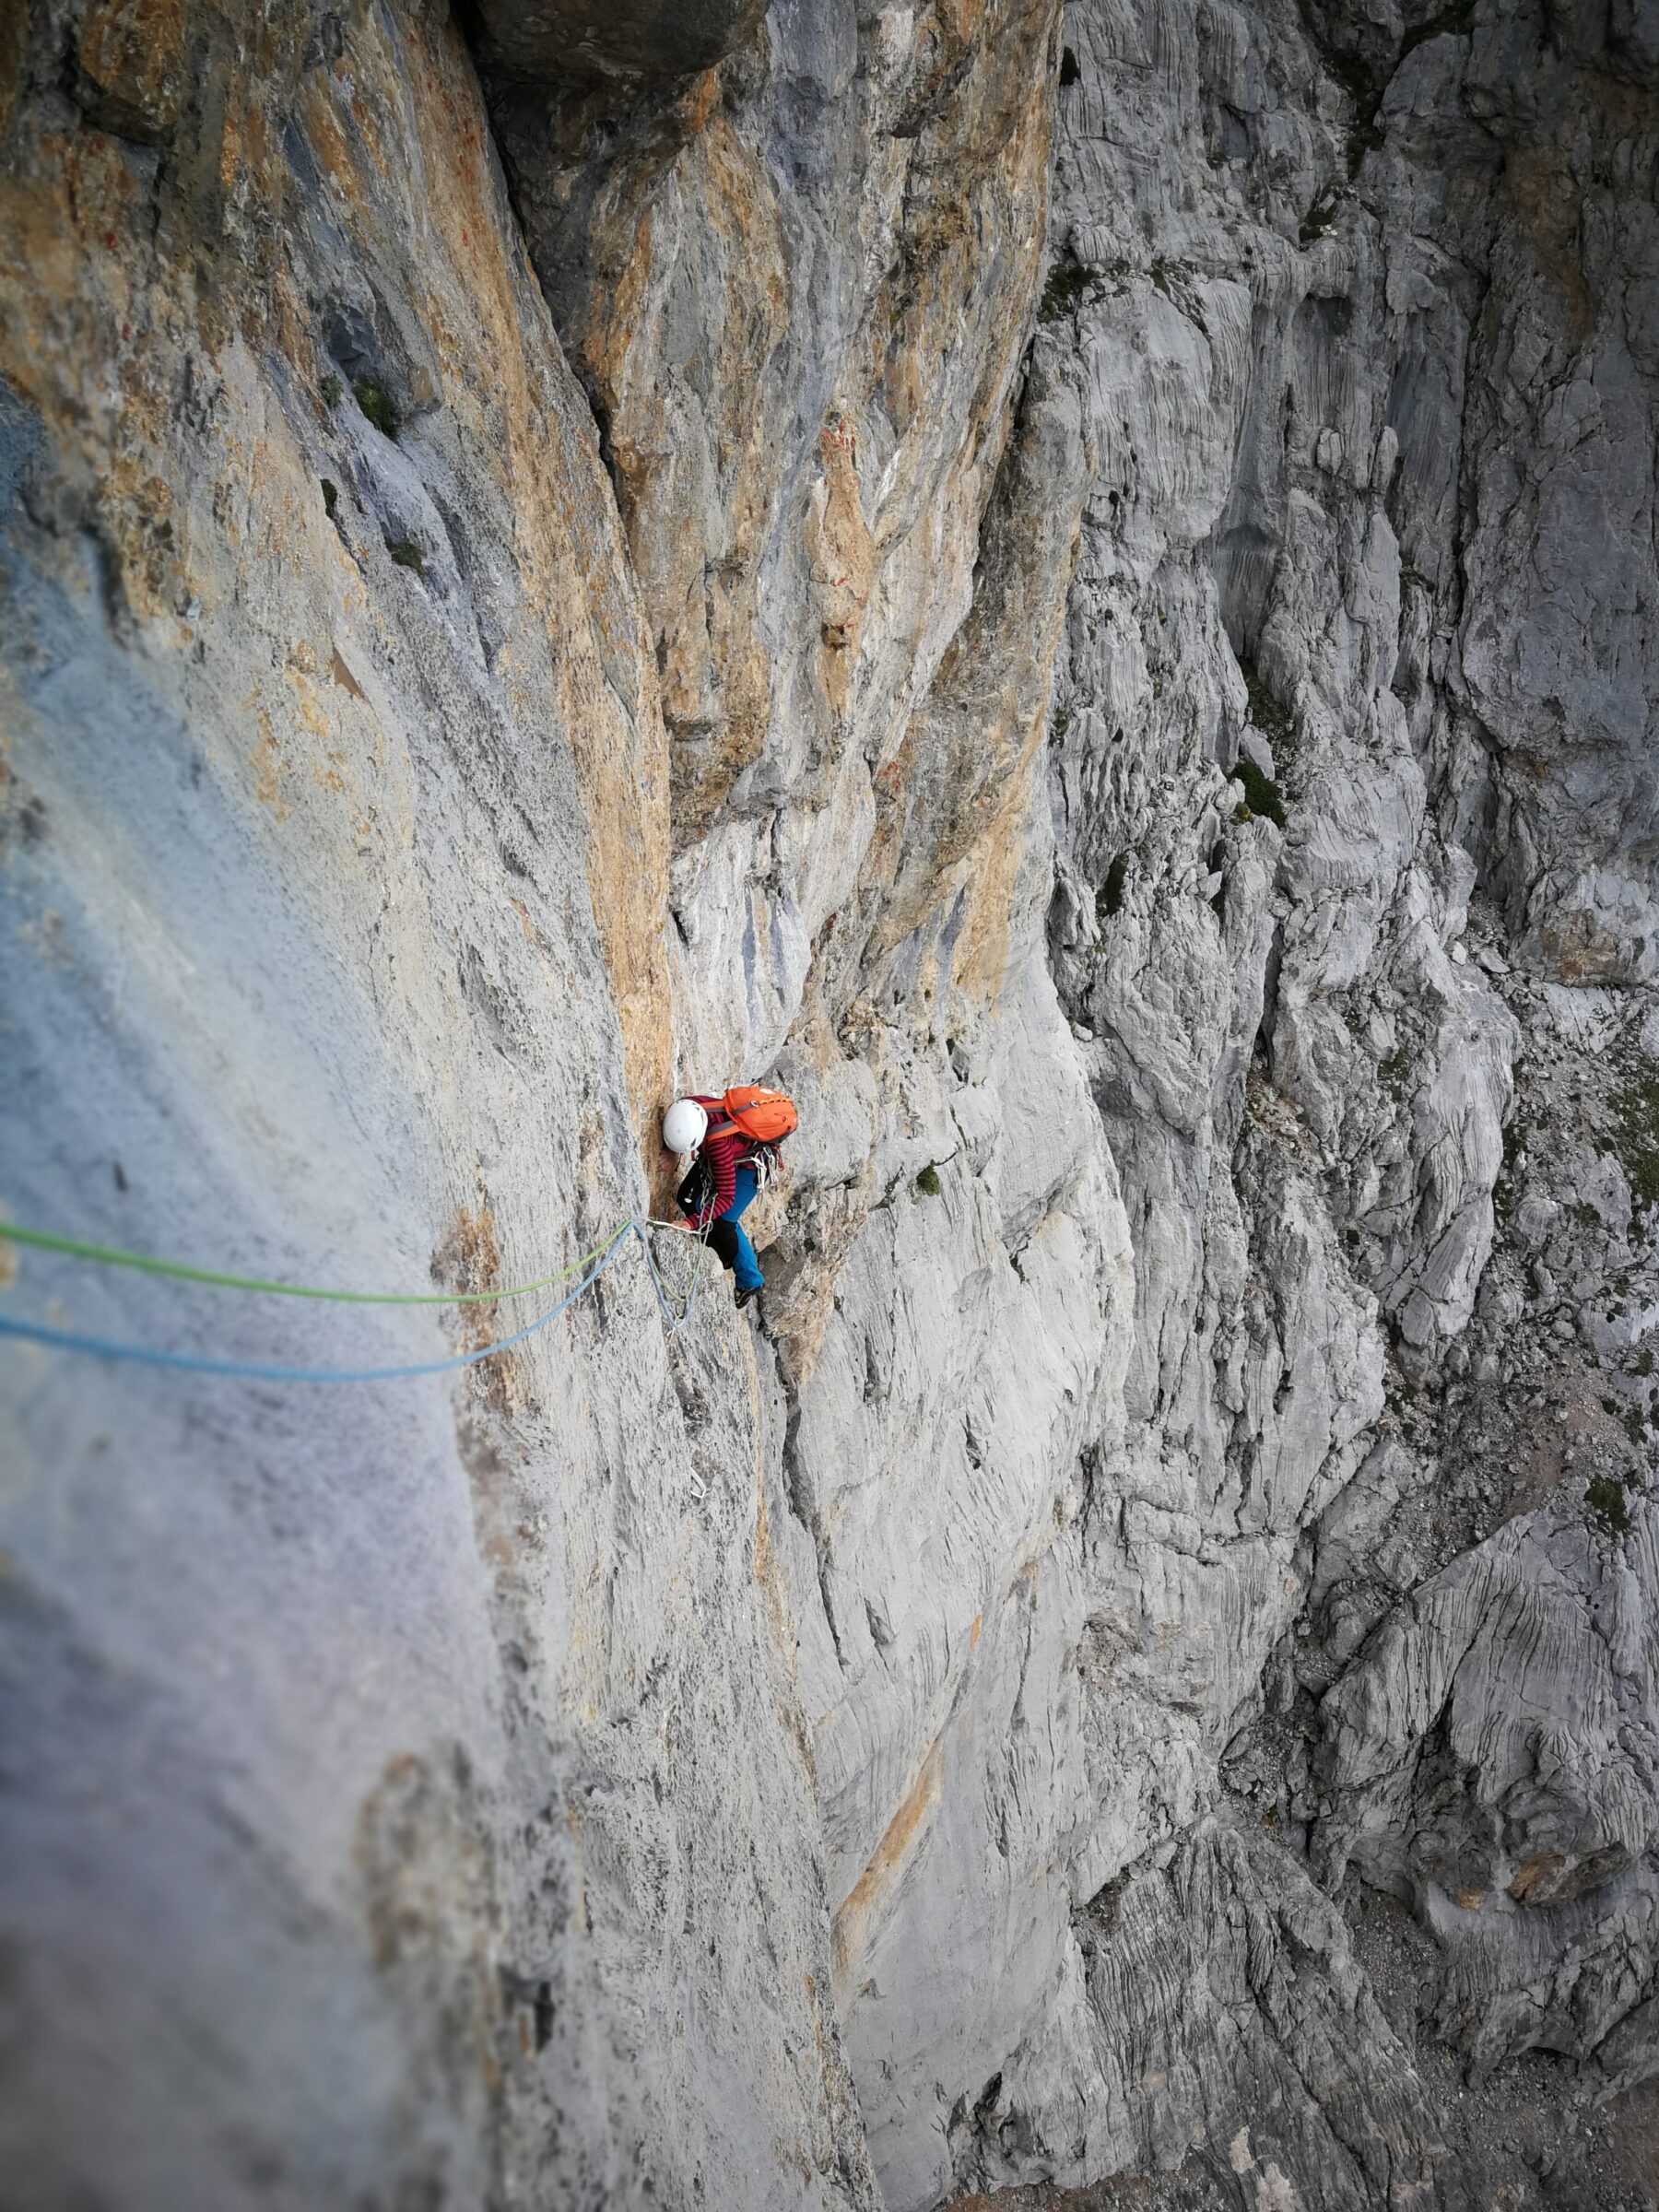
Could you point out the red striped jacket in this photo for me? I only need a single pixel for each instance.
(725, 1151)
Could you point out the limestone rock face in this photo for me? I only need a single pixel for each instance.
(354, 1849)
(1323, 937)
(1076, 586)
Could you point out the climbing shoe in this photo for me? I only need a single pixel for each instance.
(742, 1298)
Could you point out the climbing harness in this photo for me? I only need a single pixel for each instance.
(595, 1262)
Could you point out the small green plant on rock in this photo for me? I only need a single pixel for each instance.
(1261, 793)
(927, 1183)
(1071, 285)
(1395, 1071)
(376, 404)
(331, 498)
(407, 554)
(1608, 1504)
(329, 391)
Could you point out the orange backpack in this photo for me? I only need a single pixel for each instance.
(766, 1115)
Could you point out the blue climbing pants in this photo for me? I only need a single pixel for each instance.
(730, 1242)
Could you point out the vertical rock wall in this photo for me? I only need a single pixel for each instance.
(1079, 587)
(407, 1799)
(1372, 1592)
(852, 500)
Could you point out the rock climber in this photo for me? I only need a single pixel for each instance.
(733, 1137)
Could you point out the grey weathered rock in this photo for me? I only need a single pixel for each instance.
(558, 43)
(1274, 361)
(1079, 588)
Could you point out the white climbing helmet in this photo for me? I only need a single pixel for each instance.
(684, 1125)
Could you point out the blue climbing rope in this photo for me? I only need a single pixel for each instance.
(260, 1370)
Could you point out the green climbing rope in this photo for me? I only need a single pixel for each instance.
(111, 1255)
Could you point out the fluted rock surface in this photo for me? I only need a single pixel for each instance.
(1078, 586)
(1324, 883)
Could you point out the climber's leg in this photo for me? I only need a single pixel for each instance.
(733, 1247)
(746, 1267)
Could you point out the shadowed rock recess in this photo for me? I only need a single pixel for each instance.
(1076, 586)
